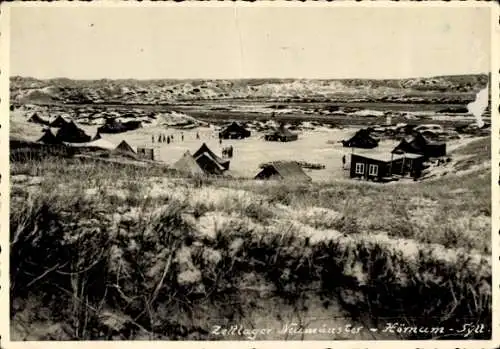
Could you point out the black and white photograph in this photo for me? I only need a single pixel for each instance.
(249, 172)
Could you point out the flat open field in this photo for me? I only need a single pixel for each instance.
(311, 146)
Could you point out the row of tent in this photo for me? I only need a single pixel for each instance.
(71, 135)
(237, 131)
(69, 132)
(111, 126)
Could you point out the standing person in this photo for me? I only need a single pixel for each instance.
(182, 136)
(197, 135)
(168, 139)
(152, 138)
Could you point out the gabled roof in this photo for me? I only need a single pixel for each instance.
(188, 165)
(205, 149)
(287, 170)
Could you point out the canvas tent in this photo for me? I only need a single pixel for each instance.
(71, 133)
(418, 144)
(35, 118)
(59, 122)
(114, 126)
(125, 148)
(361, 139)
(234, 131)
(210, 156)
(187, 165)
(281, 134)
(97, 136)
(49, 137)
(283, 170)
(209, 164)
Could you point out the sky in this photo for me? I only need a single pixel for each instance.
(248, 42)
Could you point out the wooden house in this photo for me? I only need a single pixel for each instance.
(383, 167)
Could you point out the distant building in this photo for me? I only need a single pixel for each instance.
(382, 167)
(418, 144)
(283, 170)
(281, 134)
(114, 126)
(361, 139)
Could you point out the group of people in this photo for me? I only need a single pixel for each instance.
(161, 138)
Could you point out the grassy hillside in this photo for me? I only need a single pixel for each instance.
(99, 251)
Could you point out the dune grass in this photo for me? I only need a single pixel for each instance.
(117, 252)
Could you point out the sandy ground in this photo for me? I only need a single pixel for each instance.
(312, 146)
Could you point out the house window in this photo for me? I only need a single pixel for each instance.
(373, 170)
(360, 168)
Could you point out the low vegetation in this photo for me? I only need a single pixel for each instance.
(102, 251)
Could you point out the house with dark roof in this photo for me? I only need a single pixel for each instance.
(361, 139)
(234, 131)
(382, 167)
(283, 170)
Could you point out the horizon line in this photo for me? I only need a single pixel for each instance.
(248, 78)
